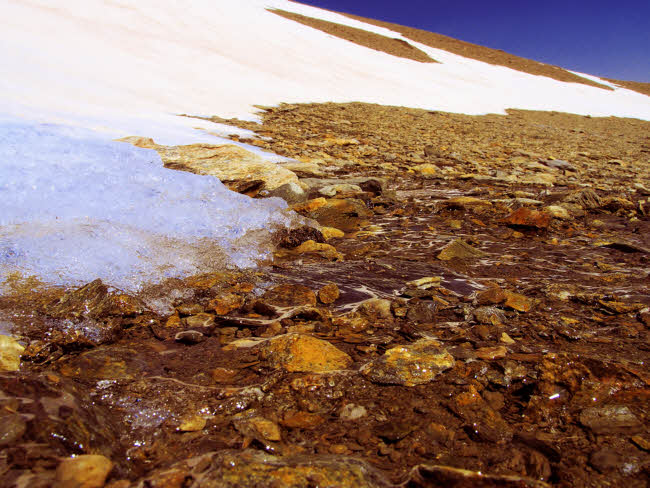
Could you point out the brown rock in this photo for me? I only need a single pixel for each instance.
(294, 237)
(491, 353)
(301, 420)
(10, 351)
(303, 353)
(329, 293)
(484, 421)
(518, 302)
(289, 295)
(414, 364)
(326, 251)
(526, 217)
(459, 249)
(84, 471)
(226, 303)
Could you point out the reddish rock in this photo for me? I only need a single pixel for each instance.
(526, 217)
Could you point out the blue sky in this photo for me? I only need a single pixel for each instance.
(610, 39)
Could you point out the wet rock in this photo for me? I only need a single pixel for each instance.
(301, 420)
(489, 315)
(294, 237)
(85, 471)
(491, 353)
(289, 295)
(12, 428)
(257, 427)
(421, 311)
(202, 320)
(526, 217)
(234, 469)
(332, 233)
(302, 353)
(410, 365)
(481, 419)
(193, 423)
(491, 296)
(558, 212)
(518, 302)
(324, 250)
(463, 203)
(10, 351)
(425, 476)
(345, 214)
(334, 190)
(189, 337)
(226, 303)
(375, 309)
(609, 419)
(459, 249)
(94, 301)
(291, 192)
(352, 412)
(587, 199)
(329, 293)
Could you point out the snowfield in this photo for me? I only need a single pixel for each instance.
(77, 206)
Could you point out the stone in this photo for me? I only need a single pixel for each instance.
(489, 315)
(12, 428)
(193, 423)
(225, 161)
(610, 419)
(526, 217)
(324, 250)
(484, 421)
(375, 309)
(83, 471)
(558, 212)
(518, 302)
(226, 303)
(344, 214)
(332, 233)
(10, 351)
(558, 164)
(289, 295)
(459, 249)
(303, 353)
(292, 238)
(189, 337)
(333, 190)
(426, 169)
(257, 427)
(351, 412)
(410, 365)
(491, 353)
(429, 475)
(201, 320)
(588, 199)
(492, 296)
(291, 192)
(301, 420)
(329, 293)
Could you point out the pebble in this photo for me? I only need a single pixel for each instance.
(84, 471)
(410, 365)
(303, 353)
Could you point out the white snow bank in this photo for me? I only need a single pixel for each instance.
(77, 206)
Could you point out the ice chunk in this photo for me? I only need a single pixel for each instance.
(77, 206)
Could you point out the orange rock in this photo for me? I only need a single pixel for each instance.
(289, 295)
(329, 293)
(527, 217)
(518, 302)
(302, 420)
(303, 353)
(226, 303)
(310, 205)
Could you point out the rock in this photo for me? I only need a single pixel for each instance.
(410, 365)
(588, 199)
(303, 353)
(291, 193)
(252, 425)
(324, 250)
(227, 162)
(202, 320)
(463, 203)
(426, 169)
(526, 217)
(489, 315)
(10, 351)
(226, 303)
(375, 309)
(518, 302)
(609, 419)
(433, 476)
(492, 296)
(289, 295)
(193, 423)
(558, 164)
(459, 249)
(83, 471)
(189, 337)
(505, 338)
(352, 412)
(333, 190)
(329, 293)
(301, 420)
(345, 214)
(623, 246)
(309, 206)
(558, 212)
(491, 353)
(484, 421)
(12, 428)
(294, 237)
(332, 233)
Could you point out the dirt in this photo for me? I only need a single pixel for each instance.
(394, 47)
(517, 358)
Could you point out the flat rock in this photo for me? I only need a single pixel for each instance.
(410, 365)
(526, 217)
(83, 471)
(303, 353)
(609, 419)
(289, 295)
(459, 249)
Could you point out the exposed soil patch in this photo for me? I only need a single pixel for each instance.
(482, 321)
(394, 47)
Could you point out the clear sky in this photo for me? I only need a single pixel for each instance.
(604, 38)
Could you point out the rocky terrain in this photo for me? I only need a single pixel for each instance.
(467, 306)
